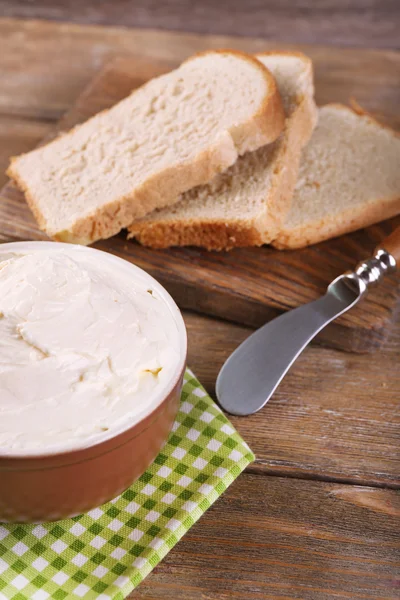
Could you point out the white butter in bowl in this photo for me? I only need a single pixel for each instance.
(88, 345)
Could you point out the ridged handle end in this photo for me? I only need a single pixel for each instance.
(371, 271)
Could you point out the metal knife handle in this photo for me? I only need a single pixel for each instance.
(392, 245)
(255, 369)
(370, 272)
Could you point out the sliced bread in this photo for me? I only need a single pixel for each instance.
(246, 205)
(175, 132)
(349, 178)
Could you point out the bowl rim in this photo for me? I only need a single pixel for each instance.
(163, 394)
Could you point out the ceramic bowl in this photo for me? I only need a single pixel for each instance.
(48, 486)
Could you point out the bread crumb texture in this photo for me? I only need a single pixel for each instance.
(349, 178)
(246, 204)
(177, 131)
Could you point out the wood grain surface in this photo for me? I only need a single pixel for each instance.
(34, 53)
(274, 538)
(335, 417)
(249, 285)
(357, 23)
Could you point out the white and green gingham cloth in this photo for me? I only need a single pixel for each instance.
(106, 553)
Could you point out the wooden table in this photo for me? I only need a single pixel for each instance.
(317, 515)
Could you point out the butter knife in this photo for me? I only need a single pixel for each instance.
(254, 370)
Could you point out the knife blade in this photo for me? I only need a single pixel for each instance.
(254, 370)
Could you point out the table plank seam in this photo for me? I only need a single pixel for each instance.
(320, 477)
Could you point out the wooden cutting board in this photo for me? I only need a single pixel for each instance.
(249, 285)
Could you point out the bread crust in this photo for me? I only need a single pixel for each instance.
(215, 235)
(163, 188)
(347, 221)
(336, 225)
(268, 122)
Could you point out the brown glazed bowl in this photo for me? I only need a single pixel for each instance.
(60, 484)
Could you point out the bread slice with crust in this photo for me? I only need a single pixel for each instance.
(246, 205)
(175, 132)
(349, 178)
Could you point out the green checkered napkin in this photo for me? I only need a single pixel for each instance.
(106, 553)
